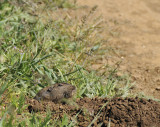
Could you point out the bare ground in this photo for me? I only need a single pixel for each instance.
(135, 26)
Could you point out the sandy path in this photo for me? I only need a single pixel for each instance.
(138, 22)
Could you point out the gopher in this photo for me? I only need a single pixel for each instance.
(56, 93)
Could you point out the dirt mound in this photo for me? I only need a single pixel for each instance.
(120, 112)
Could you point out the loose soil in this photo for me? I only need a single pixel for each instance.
(121, 112)
(134, 28)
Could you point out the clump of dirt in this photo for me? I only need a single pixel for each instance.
(118, 112)
(133, 112)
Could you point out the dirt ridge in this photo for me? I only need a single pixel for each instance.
(121, 112)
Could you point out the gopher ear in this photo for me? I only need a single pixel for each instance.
(66, 95)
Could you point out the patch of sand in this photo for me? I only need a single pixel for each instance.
(138, 40)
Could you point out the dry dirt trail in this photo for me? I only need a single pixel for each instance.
(138, 42)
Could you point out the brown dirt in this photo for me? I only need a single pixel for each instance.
(134, 27)
(121, 112)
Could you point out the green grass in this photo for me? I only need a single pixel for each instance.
(35, 54)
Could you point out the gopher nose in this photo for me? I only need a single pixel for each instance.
(37, 98)
(74, 91)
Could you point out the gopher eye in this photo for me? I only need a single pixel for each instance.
(60, 84)
(49, 89)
